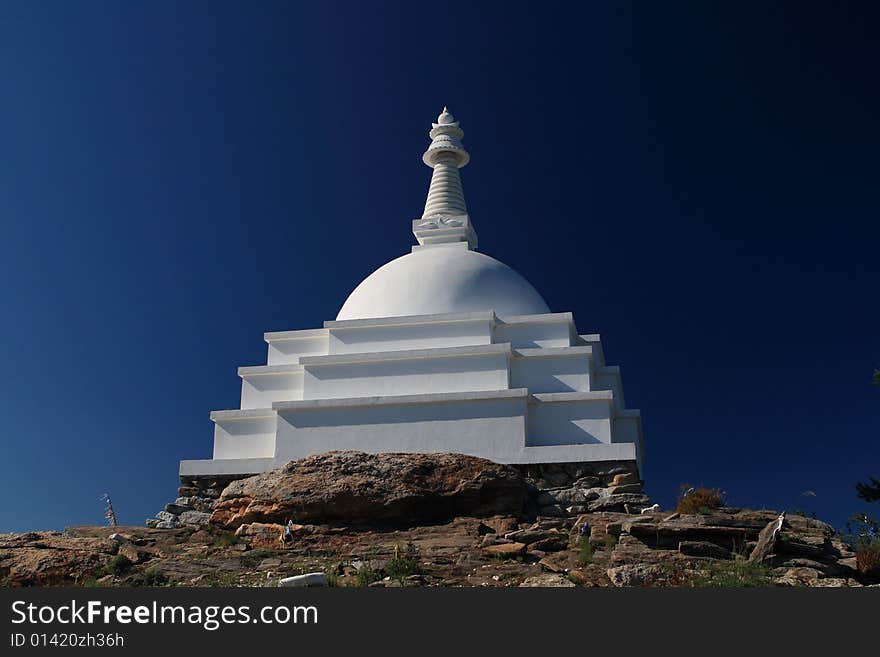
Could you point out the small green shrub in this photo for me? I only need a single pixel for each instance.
(404, 563)
(585, 551)
(154, 577)
(699, 500)
(118, 565)
(366, 575)
(737, 573)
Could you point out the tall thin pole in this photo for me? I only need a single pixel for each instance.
(109, 513)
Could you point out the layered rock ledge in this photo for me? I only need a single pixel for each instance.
(438, 520)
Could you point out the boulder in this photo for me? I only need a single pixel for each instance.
(550, 544)
(625, 478)
(532, 535)
(501, 524)
(491, 539)
(131, 553)
(636, 501)
(552, 565)
(832, 582)
(704, 549)
(767, 541)
(554, 511)
(803, 545)
(547, 580)
(192, 503)
(505, 549)
(624, 488)
(309, 579)
(176, 509)
(561, 496)
(795, 576)
(267, 535)
(174, 523)
(355, 487)
(636, 574)
(194, 518)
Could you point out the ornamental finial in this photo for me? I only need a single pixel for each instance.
(445, 117)
(446, 136)
(445, 218)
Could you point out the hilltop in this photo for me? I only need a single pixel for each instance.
(434, 520)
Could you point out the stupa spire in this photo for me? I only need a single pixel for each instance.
(445, 218)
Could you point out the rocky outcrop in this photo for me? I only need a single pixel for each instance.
(194, 504)
(802, 552)
(568, 489)
(594, 549)
(359, 488)
(560, 490)
(435, 520)
(763, 550)
(51, 558)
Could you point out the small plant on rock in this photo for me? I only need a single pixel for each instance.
(868, 558)
(366, 575)
(118, 565)
(699, 500)
(404, 563)
(585, 551)
(737, 573)
(154, 577)
(332, 576)
(863, 535)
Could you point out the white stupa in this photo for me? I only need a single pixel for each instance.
(444, 349)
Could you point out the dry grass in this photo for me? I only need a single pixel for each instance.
(868, 557)
(700, 500)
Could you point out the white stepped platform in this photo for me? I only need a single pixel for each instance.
(525, 389)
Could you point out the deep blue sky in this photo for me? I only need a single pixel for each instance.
(696, 182)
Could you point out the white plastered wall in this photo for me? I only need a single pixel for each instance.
(564, 369)
(244, 434)
(348, 339)
(335, 378)
(286, 347)
(491, 427)
(261, 386)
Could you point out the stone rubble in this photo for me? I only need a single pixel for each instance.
(195, 502)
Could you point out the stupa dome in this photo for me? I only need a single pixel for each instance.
(445, 279)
